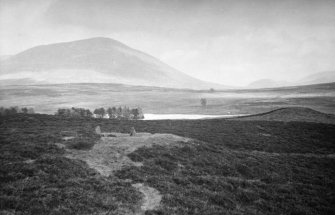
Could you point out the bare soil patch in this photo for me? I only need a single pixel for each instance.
(110, 155)
(152, 197)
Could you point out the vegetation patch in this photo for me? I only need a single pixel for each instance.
(286, 137)
(80, 143)
(208, 179)
(37, 179)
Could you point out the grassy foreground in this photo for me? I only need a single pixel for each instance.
(232, 167)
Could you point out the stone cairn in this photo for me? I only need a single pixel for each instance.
(132, 131)
(98, 130)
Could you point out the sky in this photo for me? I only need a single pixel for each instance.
(230, 42)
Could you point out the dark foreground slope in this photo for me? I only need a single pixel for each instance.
(231, 167)
(299, 114)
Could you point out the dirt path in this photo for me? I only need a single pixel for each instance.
(152, 197)
(110, 155)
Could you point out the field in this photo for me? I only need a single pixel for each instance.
(225, 167)
(154, 100)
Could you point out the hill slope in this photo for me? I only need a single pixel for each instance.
(95, 60)
(318, 78)
(266, 83)
(293, 114)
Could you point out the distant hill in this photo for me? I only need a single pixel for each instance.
(19, 81)
(267, 83)
(292, 114)
(318, 78)
(4, 57)
(95, 60)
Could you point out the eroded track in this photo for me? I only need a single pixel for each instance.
(110, 154)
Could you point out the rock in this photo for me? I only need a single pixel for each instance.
(98, 130)
(132, 131)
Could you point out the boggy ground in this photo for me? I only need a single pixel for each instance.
(228, 167)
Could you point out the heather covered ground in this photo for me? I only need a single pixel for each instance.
(224, 167)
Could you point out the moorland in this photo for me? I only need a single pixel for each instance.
(226, 166)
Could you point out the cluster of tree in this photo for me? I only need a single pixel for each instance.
(111, 113)
(119, 113)
(15, 110)
(74, 112)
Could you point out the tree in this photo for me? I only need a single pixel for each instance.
(11, 110)
(2, 111)
(100, 112)
(74, 112)
(63, 112)
(97, 112)
(31, 111)
(126, 113)
(24, 110)
(137, 113)
(88, 113)
(112, 113)
(203, 102)
(119, 113)
(140, 113)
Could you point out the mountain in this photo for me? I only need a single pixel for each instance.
(318, 78)
(266, 83)
(95, 60)
(4, 57)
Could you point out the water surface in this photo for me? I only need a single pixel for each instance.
(150, 116)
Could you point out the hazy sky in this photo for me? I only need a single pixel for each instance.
(230, 42)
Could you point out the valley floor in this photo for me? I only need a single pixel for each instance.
(153, 100)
